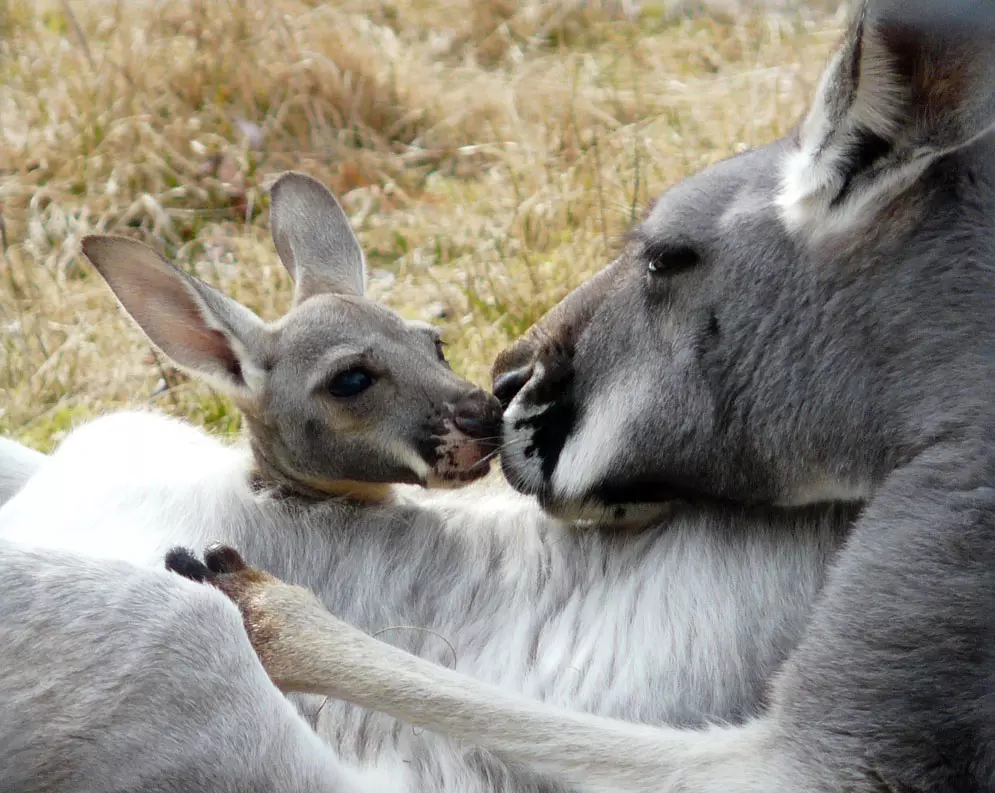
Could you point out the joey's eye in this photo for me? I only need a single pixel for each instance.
(670, 260)
(350, 383)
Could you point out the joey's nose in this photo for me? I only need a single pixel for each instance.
(508, 384)
(479, 416)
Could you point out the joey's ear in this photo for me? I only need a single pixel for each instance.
(202, 330)
(913, 80)
(314, 239)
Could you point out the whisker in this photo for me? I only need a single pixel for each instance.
(516, 442)
(488, 457)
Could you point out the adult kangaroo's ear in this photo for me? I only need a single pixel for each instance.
(912, 81)
(199, 328)
(314, 239)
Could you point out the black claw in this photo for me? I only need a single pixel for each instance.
(182, 561)
(223, 559)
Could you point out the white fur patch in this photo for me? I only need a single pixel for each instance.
(812, 176)
(814, 216)
(116, 477)
(595, 446)
(408, 457)
(527, 470)
(643, 629)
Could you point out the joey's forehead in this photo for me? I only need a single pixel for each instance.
(331, 320)
(345, 314)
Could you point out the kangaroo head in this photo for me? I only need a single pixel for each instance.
(340, 392)
(791, 324)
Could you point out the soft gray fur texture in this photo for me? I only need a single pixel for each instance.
(413, 421)
(117, 678)
(700, 610)
(807, 322)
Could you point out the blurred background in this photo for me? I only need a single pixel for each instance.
(490, 153)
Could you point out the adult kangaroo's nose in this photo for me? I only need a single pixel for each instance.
(479, 416)
(508, 384)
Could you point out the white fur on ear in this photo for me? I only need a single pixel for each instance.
(807, 196)
(859, 96)
(904, 89)
(859, 105)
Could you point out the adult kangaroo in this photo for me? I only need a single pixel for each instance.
(821, 312)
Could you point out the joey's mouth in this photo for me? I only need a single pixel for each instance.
(457, 458)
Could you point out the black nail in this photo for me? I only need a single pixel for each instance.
(183, 562)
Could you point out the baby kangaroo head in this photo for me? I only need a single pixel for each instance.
(338, 395)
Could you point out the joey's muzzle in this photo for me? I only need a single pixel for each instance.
(479, 417)
(468, 439)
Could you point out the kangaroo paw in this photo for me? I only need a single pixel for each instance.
(268, 605)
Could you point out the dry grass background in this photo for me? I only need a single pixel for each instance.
(490, 153)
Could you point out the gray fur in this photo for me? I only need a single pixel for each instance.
(92, 701)
(700, 609)
(326, 258)
(832, 344)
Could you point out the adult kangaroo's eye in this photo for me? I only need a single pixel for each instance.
(669, 259)
(350, 383)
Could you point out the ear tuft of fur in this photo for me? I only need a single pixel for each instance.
(911, 82)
